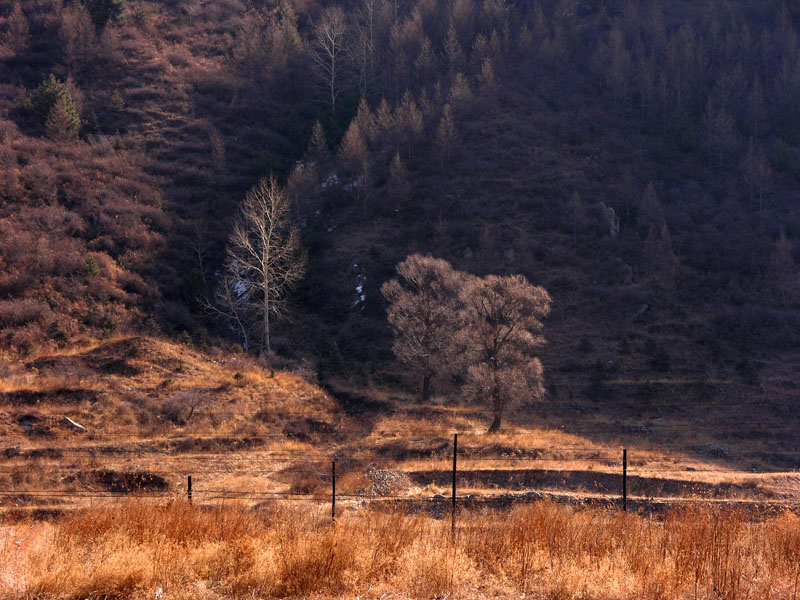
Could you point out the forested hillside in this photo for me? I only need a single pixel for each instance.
(639, 160)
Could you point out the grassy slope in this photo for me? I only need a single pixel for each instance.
(256, 432)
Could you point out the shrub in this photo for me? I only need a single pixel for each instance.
(661, 360)
(57, 333)
(47, 95)
(180, 407)
(19, 312)
(103, 11)
(747, 371)
(92, 266)
(63, 122)
(585, 346)
(141, 16)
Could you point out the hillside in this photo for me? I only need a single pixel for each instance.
(271, 271)
(145, 413)
(517, 129)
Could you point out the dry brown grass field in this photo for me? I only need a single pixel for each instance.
(160, 550)
(101, 513)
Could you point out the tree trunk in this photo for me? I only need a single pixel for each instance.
(495, 426)
(426, 388)
(245, 345)
(265, 342)
(498, 404)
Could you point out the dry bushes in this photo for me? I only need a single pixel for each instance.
(82, 235)
(541, 550)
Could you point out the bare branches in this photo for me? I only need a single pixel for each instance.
(231, 303)
(502, 328)
(424, 316)
(446, 320)
(329, 51)
(265, 260)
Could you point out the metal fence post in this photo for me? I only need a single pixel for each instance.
(333, 491)
(455, 464)
(625, 479)
(189, 488)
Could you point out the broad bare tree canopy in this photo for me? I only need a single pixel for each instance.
(488, 328)
(424, 314)
(502, 329)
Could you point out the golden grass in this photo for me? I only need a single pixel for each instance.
(125, 384)
(544, 551)
(128, 390)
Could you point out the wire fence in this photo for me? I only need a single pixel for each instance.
(432, 474)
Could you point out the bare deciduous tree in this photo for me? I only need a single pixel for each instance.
(78, 36)
(329, 51)
(231, 303)
(354, 158)
(445, 320)
(264, 253)
(398, 185)
(366, 15)
(782, 270)
(502, 328)
(658, 257)
(424, 316)
(446, 135)
(18, 35)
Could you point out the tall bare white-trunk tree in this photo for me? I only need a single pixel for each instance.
(365, 13)
(329, 51)
(264, 254)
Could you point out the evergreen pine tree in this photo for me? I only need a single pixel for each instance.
(384, 119)
(486, 77)
(318, 145)
(651, 213)
(103, 11)
(53, 104)
(18, 34)
(453, 55)
(366, 121)
(659, 258)
(460, 94)
(409, 122)
(63, 122)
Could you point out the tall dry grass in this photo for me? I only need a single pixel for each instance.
(544, 551)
